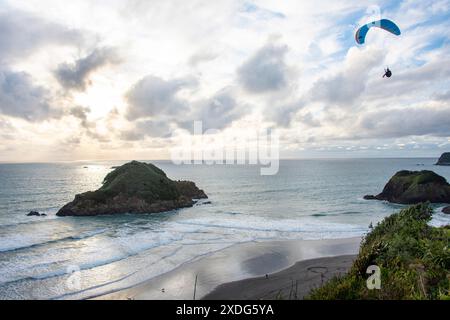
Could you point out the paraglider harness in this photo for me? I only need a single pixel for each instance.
(387, 73)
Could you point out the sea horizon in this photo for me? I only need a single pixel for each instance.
(306, 200)
(223, 160)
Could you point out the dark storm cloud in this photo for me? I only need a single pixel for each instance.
(76, 75)
(153, 96)
(265, 71)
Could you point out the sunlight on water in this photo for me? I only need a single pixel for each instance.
(310, 199)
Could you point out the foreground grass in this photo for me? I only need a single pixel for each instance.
(414, 259)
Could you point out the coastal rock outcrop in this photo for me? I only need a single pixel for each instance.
(446, 210)
(36, 214)
(135, 187)
(444, 160)
(411, 187)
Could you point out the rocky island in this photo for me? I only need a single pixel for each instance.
(411, 187)
(444, 160)
(135, 187)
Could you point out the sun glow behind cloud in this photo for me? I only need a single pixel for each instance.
(106, 79)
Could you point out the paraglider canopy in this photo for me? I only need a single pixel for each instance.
(385, 24)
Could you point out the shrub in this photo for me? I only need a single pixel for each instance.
(414, 259)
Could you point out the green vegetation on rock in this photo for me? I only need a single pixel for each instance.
(142, 180)
(135, 187)
(411, 187)
(414, 259)
(444, 160)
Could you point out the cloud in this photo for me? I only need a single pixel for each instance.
(340, 88)
(266, 70)
(20, 98)
(147, 128)
(260, 13)
(155, 109)
(81, 113)
(346, 86)
(22, 33)
(153, 96)
(339, 93)
(76, 75)
(91, 126)
(6, 130)
(395, 123)
(442, 96)
(284, 114)
(217, 112)
(201, 57)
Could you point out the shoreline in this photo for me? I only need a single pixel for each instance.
(244, 263)
(292, 283)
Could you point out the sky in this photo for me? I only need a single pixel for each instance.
(120, 80)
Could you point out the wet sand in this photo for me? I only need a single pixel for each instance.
(290, 284)
(286, 262)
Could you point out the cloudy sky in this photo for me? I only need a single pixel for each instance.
(125, 80)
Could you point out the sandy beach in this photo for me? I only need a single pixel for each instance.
(267, 270)
(290, 284)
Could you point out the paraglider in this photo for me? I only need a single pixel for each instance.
(384, 24)
(387, 73)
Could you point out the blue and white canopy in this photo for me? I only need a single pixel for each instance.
(385, 24)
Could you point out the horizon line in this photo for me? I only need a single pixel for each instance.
(169, 160)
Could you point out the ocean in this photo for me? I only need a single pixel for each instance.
(82, 257)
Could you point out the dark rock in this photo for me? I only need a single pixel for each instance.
(33, 214)
(135, 187)
(204, 203)
(370, 197)
(411, 187)
(444, 160)
(189, 189)
(446, 210)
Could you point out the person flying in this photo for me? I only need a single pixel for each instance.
(387, 73)
(384, 24)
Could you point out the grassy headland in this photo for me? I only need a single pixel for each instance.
(414, 259)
